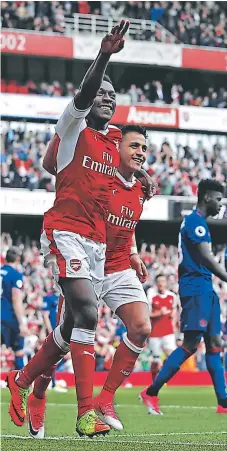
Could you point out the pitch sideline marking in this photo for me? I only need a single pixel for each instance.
(88, 440)
(152, 434)
(53, 404)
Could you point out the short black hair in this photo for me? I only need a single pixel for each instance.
(160, 275)
(134, 128)
(107, 78)
(12, 254)
(209, 185)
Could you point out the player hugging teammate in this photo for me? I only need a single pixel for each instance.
(92, 208)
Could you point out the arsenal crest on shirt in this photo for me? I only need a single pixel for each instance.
(75, 264)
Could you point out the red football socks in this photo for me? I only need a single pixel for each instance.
(42, 382)
(83, 358)
(47, 355)
(155, 368)
(122, 366)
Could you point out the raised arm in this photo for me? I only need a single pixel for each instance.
(209, 261)
(111, 43)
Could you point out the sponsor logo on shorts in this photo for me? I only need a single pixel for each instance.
(75, 264)
(203, 323)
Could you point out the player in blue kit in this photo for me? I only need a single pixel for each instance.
(200, 315)
(50, 308)
(13, 321)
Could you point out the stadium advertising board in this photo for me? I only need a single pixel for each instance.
(149, 116)
(167, 117)
(203, 58)
(25, 43)
(207, 119)
(25, 202)
(135, 52)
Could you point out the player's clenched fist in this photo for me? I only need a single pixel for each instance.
(114, 42)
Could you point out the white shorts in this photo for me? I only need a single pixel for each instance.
(159, 344)
(122, 287)
(72, 255)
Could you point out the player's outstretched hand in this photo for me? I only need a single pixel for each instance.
(149, 186)
(139, 266)
(114, 42)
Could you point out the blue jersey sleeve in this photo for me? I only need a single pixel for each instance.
(198, 231)
(17, 280)
(46, 304)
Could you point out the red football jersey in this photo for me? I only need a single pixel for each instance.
(125, 208)
(162, 325)
(86, 165)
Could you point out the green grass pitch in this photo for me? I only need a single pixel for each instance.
(189, 423)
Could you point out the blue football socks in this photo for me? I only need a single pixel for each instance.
(216, 370)
(19, 362)
(171, 366)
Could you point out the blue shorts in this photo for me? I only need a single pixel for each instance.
(11, 336)
(201, 312)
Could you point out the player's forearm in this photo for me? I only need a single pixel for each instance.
(209, 261)
(92, 81)
(133, 245)
(19, 309)
(214, 267)
(156, 314)
(47, 325)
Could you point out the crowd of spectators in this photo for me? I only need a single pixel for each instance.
(37, 283)
(176, 161)
(195, 23)
(21, 158)
(151, 92)
(159, 93)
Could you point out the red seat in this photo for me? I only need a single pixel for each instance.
(12, 87)
(23, 90)
(3, 86)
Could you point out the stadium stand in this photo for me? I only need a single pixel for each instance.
(175, 160)
(194, 23)
(151, 92)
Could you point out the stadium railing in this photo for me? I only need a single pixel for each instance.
(92, 24)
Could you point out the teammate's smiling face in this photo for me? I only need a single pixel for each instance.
(133, 152)
(104, 103)
(214, 202)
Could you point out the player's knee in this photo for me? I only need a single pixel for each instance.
(214, 343)
(191, 341)
(87, 317)
(67, 327)
(191, 346)
(140, 331)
